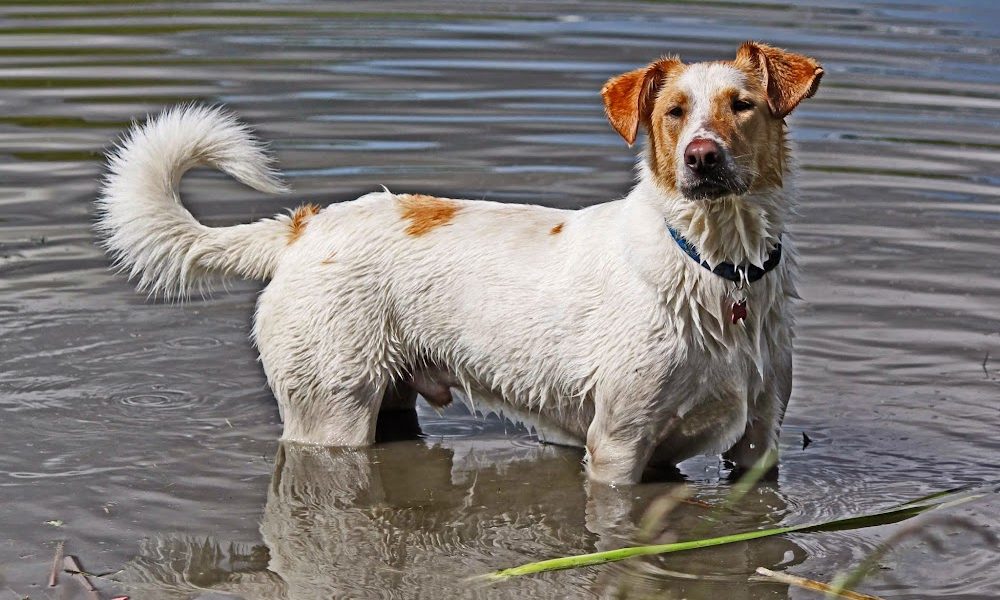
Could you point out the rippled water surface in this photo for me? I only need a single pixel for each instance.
(143, 434)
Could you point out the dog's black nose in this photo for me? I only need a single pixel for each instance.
(702, 155)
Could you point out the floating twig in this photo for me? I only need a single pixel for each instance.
(811, 584)
(57, 561)
(72, 566)
(698, 503)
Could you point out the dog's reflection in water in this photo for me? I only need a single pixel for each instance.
(413, 519)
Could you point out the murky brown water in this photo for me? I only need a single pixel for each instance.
(147, 429)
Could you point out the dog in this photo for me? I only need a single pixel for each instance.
(647, 330)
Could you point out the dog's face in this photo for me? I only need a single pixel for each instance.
(715, 129)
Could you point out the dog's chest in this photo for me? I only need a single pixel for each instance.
(709, 351)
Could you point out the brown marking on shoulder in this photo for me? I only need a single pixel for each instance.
(557, 229)
(426, 213)
(301, 216)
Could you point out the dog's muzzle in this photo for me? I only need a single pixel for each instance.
(708, 171)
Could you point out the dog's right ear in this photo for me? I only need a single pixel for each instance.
(628, 98)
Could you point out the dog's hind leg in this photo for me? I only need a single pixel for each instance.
(331, 410)
(329, 375)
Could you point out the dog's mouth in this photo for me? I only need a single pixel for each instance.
(705, 190)
(711, 188)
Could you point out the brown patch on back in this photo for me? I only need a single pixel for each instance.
(425, 213)
(300, 218)
(557, 229)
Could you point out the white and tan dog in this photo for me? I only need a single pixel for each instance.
(651, 328)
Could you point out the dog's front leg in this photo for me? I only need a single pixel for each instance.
(765, 413)
(620, 440)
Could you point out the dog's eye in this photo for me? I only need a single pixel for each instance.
(742, 105)
(676, 112)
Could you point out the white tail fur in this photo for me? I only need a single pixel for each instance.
(147, 230)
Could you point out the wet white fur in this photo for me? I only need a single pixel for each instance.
(734, 230)
(605, 334)
(151, 235)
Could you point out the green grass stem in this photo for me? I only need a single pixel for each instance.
(889, 516)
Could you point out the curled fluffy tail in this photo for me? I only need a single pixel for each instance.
(152, 236)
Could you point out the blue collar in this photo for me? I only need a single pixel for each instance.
(726, 270)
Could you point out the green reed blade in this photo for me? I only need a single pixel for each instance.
(883, 517)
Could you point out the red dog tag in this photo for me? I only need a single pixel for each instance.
(739, 311)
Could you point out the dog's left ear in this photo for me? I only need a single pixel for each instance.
(788, 78)
(628, 98)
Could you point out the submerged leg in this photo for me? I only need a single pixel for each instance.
(331, 414)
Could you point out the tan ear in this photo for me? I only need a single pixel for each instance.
(788, 78)
(628, 98)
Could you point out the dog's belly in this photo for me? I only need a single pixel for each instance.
(703, 405)
(553, 424)
(546, 426)
(434, 385)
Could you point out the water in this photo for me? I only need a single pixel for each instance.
(147, 430)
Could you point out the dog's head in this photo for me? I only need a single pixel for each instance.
(715, 128)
